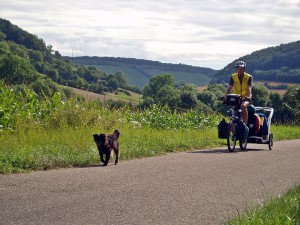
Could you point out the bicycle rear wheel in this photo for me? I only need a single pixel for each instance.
(231, 137)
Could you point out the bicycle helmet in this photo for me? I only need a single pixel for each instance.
(241, 64)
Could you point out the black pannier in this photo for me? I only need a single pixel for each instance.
(241, 131)
(222, 129)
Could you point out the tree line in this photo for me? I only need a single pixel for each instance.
(183, 96)
(280, 63)
(118, 61)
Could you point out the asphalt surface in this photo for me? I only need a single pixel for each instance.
(198, 187)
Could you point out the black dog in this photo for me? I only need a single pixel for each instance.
(105, 144)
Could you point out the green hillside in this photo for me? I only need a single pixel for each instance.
(139, 71)
(26, 59)
(279, 64)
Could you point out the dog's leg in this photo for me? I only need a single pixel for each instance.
(107, 158)
(116, 150)
(101, 157)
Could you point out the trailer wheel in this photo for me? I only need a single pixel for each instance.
(270, 141)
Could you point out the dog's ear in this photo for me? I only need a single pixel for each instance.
(96, 137)
(117, 133)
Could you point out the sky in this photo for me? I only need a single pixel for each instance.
(206, 33)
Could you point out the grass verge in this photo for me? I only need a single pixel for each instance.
(40, 149)
(284, 209)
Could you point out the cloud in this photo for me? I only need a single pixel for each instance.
(204, 33)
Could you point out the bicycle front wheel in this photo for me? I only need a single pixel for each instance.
(231, 137)
(243, 144)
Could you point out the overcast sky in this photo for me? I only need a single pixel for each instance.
(208, 33)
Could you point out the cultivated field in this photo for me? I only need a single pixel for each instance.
(120, 95)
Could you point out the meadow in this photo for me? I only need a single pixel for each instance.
(46, 133)
(40, 133)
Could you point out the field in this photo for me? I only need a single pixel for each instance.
(120, 95)
(42, 135)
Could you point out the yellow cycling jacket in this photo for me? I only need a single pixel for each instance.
(238, 86)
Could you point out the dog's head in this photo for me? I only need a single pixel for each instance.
(100, 140)
(117, 133)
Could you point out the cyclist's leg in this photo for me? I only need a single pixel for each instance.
(244, 107)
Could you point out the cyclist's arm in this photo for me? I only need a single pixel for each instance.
(229, 87)
(249, 87)
(228, 90)
(249, 92)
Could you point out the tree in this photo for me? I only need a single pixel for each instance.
(113, 84)
(16, 70)
(188, 95)
(291, 102)
(261, 95)
(4, 48)
(188, 100)
(208, 98)
(161, 90)
(120, 77)
(167, 95)
(52, 74)
(35, 56)
(2, 36)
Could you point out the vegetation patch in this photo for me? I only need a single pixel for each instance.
(283, 209)
(43, 133)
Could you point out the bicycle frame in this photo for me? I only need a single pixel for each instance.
(234, 118)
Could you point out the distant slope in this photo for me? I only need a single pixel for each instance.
(280, 64)
(25, 59)
(139, 71)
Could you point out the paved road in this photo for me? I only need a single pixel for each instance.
(199, 187)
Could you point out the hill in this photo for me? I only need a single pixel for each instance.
(139, 71)
(26, 59)
(280, 64)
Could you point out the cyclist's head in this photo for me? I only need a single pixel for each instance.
(240, 64)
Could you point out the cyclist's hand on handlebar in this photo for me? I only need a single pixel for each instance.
(248, 99)
(222, 98)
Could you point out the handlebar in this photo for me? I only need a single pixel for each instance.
(246, 98)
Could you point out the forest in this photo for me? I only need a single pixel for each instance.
(280, 64)
(25, 57)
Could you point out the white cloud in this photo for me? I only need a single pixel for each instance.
(204, 33)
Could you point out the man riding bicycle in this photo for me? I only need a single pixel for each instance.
(241, 83)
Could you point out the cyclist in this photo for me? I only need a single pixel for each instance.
(241, 83)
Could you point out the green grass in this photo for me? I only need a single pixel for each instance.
(282, 132)
(39, 149)
(284, 209)
(44, 134)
